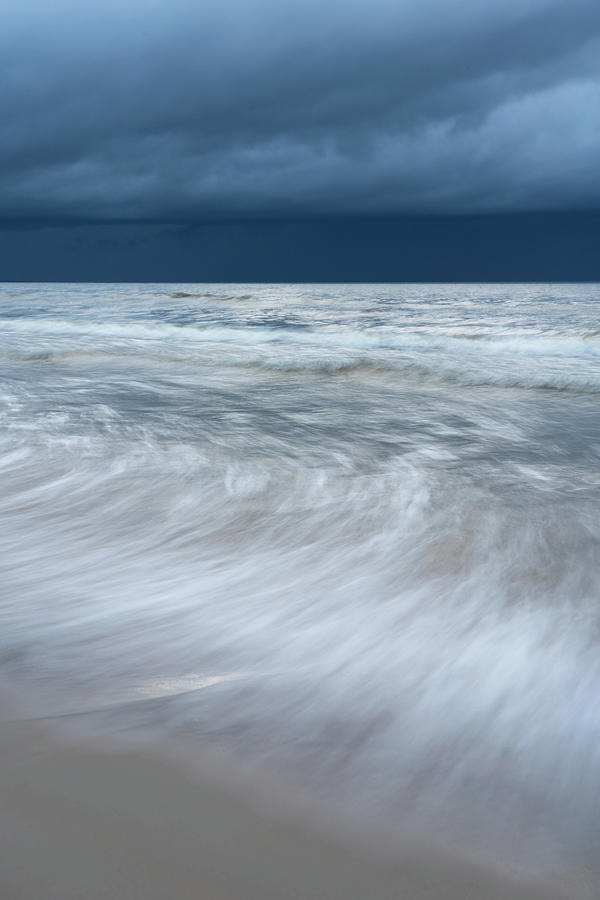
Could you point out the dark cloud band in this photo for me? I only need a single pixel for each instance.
(175, 112)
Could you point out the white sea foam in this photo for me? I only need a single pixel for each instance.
(384, 338)
(547, 361)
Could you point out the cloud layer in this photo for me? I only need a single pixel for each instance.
(253, 109)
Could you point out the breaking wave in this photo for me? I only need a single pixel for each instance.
(548, 362)
(587, 344)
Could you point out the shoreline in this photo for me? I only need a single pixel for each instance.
(80, 820)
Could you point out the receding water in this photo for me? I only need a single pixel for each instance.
(349, 532)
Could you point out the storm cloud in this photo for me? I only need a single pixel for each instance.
(175, 112)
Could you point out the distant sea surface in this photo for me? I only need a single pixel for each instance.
(349, 533)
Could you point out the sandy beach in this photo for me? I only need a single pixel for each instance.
(85, 822)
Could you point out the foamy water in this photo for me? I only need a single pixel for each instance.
(349, 532)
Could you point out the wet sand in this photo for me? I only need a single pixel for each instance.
(82, 822)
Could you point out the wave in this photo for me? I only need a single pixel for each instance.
(437, 373)
(321, 355)
(323, 366)
(181, 295)
(386, 338)
(558, 362)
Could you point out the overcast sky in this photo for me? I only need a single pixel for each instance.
(182, 111)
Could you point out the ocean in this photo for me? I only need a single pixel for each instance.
(348, 534)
